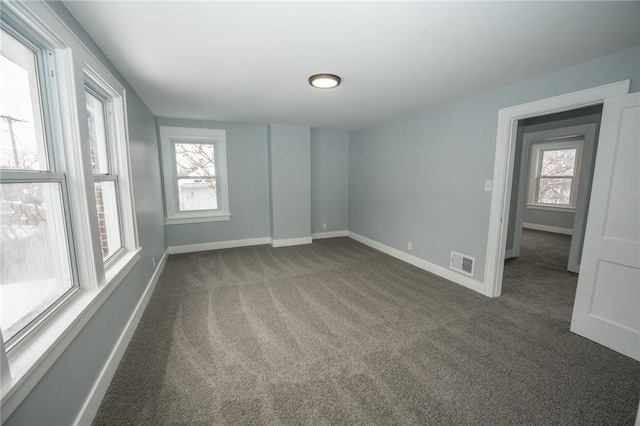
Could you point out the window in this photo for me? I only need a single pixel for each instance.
(554, 173)
(195, 177)
(67, 220)
(36, 268)
(105, 178)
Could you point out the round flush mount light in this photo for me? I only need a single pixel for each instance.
(324, 81)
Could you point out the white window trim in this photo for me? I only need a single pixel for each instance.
(534, 162)
(548, 207)
(30, 360)
(120, 161)
(174, 217)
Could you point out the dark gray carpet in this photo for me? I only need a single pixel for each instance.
(338, 333)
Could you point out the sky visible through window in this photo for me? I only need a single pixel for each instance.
(196, 161)
(34, 261)
(556, 176)
(16, 110)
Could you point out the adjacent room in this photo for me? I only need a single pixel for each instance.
(319, 212)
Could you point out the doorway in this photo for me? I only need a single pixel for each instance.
(508, 119)
(607, 307)
(552, 177)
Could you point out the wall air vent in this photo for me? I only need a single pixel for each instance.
(462, 263)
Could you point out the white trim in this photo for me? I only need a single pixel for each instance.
(503, 167)
(30, 362)
(535, 164)
(547, 228)
(422, 264)
(97, 75)
(291, 241)
(587, 132)
(199, 219)
(216, 137)
(31, 359)
(101, 385)
(330, 234)
(509, 254)
(191, 248)
(550, 208)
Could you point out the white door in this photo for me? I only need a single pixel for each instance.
(607, 305)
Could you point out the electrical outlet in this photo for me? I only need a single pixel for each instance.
(487, 185)
(324, 226)
(410, 245)
(153, 259)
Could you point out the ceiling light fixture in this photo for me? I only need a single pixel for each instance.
(324, 81)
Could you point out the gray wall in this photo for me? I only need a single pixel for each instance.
(59, 396)
(515, 182)
(420, 178)
(289, 150)
(248, 187)
(589, 115)
(549, 218)
(247, 163)
(329, 180)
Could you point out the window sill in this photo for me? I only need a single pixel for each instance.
(31, 360)
(551, 208)
(179, 220)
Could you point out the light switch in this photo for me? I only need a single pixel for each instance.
(487, 185)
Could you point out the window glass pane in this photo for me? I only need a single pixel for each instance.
(97, 134)
(108, 220)
(555, 191)
(22, 143)
(193, 159)
(197, 194)
(558, 162)
(34, 257)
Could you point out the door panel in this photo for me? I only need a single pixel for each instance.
(607, 305)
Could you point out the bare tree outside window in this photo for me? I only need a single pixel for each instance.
(21, 211)
(34, 258)
(23, 203)
(19, 148)
(555, 178)
(196, 173)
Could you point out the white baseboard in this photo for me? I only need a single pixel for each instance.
(291, 242)
(330, 234)
(508, 254)
(547, 228)
(422, 264)
(190, 248)
(100, 387)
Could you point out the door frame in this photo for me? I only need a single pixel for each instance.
(503, 167)
(588, 133)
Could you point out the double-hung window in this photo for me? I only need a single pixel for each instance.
(554, 173)
(36, 257)
(67, 220)
(195, 174)
(105, 178)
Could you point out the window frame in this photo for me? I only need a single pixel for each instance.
(42, 54)
(52, 172)
(68, 61)
(100, 89)
(538, 148)
(169, 136)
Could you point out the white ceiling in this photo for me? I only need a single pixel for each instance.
(249, 62)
